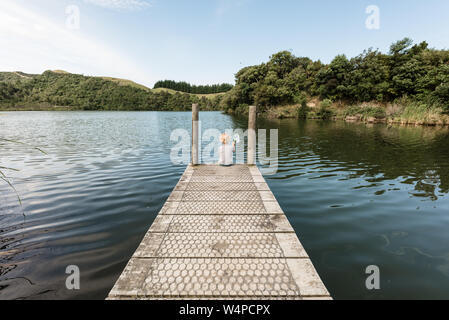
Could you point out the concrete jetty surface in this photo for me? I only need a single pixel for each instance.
(220, 235)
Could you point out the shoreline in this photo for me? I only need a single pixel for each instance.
(74, 109)
(414, 114)
(276, 113)
(386, 121)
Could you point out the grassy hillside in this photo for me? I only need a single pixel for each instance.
(199, 95)
(12, 77)
(124, 82)
(62, 90)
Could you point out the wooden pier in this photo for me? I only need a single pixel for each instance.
(220, 235)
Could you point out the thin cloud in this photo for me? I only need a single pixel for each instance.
(224, 6)
(34, 43)
(121, 4)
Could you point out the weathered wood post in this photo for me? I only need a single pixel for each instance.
(252, 135)
(195, 134)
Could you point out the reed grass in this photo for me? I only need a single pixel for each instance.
(3, 169)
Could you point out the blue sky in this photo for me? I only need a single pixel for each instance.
(202, 41)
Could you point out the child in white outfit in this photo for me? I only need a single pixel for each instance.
(226, 151)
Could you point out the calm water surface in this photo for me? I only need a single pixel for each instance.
(357, 195)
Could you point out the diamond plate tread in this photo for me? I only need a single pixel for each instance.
(215, 278)
(211, 245)
(221, 179)
(219, 279)
(221, 196)
(252, 207)
(218, 170)
(221, 207)
(221, 223)
(206, 245)
(216, 186)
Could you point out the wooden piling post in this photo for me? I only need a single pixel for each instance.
(195, 134)
(252, 135)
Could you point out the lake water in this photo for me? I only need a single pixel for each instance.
(356, 195)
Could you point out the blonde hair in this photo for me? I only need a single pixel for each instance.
(224, 138)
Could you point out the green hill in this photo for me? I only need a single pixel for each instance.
(15, 76)
(124, 82)
(199, 95)
(62, 90)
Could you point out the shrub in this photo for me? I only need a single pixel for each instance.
(352, 111)
(417, 111)
(326, 103)
(324, 112)
(376, 112)
(303, 109)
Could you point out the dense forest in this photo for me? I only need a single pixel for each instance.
(52, 89)
(188, 88)
(408, 73)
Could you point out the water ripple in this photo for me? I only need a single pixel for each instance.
(355, 194)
